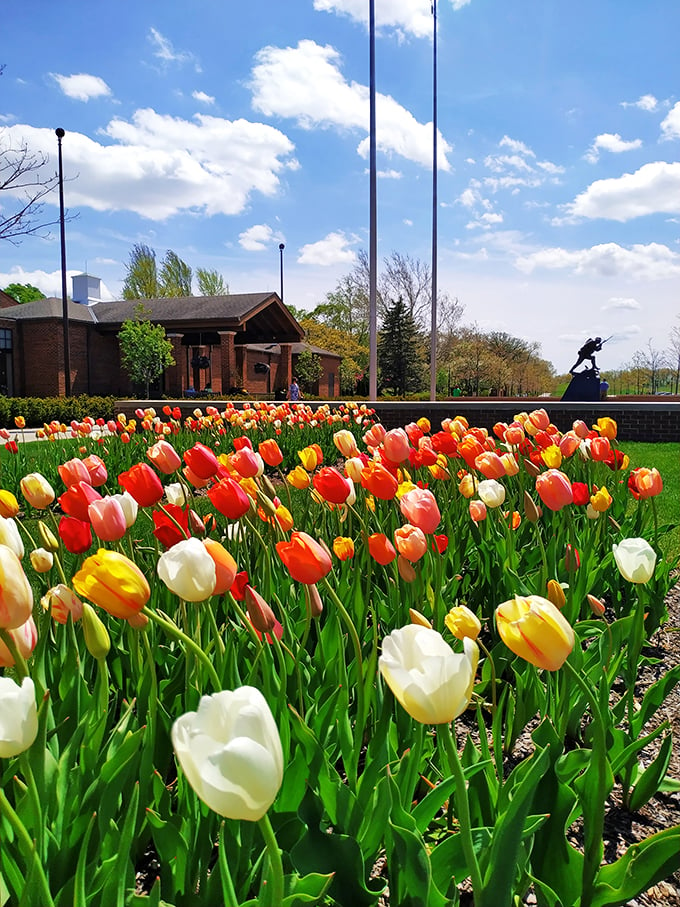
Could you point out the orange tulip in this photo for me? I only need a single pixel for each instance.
(490, 465)
(306, 560)
(410, 542)
(379, 481)
(225, 566)
(477, 510)
(645, 483)
(381, 548)
(270, 452)
(164, 457)
(600, 448)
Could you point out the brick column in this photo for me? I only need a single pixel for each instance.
(229, 374)
(175, 378)
(284, 374)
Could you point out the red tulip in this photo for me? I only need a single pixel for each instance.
(469, 449)
(580, 493)
(229, 498)
(306, 560)
(76, 500)
(143, 484)
(201, 461)
(168, 532)
(379, 481)
(75, 534)
(410, 542)
(331, 485)
(600, 448)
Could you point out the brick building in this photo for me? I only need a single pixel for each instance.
(225, 343)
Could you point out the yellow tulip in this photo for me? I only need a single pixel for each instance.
(113, 582)
(463, 623)
(533, 628)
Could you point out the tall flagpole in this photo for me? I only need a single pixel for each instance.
(433, 338)
(372, 229)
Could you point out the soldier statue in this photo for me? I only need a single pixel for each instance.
(587, 351)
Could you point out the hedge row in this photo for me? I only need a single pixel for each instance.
(38, 410)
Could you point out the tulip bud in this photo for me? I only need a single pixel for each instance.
(463, 623)
(47, 537)
(418, 618)
(261, 615)
(41, 560)
(572, 560)
(315, 603)
(597, 606)
(555, 594)
(266, 504)
(531, 510)
(96, 635)
(268, 487)
(532, 469)
(196, 524)
(406, 569)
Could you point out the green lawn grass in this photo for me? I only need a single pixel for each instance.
(666, 458)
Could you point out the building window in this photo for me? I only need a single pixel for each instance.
(5, 339)
(331, 384)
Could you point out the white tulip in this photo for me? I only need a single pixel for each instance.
(176, 494)
(129, 507)
(635, 559)
(188, 570)
(9, 536)
(18, 716)
(491, 492)
(230, 752)
(431, 681)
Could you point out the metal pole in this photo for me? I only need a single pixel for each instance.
(60, 133)
(372, 229)
(433, 338)
(282, 246)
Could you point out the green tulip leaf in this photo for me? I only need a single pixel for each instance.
(641, 866)
(650, 779)
(653, 698)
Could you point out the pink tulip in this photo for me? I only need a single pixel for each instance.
(419, 507)
(108, 519)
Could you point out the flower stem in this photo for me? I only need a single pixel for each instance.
(19, 662)
(28, 847)
(593, 812)
(272, 889)
(174, 631)
(463, 810)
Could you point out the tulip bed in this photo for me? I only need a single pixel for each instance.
(277, 657)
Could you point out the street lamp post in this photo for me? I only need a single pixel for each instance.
(60, 133)
(282, 246)
(373, 220)
(433, 337)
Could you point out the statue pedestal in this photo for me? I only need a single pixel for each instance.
(583, 386)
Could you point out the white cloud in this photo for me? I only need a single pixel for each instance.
(202, 97)
(389, 174)
(82, 87)
(516, 146)
(407, 222)
(48, 282)
(522, 161)
(305, 83)
(609, 142)
(159, 165)
(653, 189)
(620, 303)
(401, 15)
(166, 53)
(653, 261)
(644, 102)
(332, 250)
(258, 237)
(670, 127)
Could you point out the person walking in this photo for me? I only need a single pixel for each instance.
(294, 392)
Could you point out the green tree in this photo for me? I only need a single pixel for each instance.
(24, 292)
(141, 280)
(354, 354)
(308, 370)
(175, 276)
(145, 351)
(401, 351)
(211, 283)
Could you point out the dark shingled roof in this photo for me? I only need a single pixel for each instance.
(46, 308)
(235, 308)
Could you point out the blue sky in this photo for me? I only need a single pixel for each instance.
(220, 129)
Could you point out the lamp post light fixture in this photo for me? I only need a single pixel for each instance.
(282, 246)
(60, 133)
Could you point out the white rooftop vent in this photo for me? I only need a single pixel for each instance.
(86, 289)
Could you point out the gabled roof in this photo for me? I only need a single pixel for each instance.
(296, 349)
(254, 317)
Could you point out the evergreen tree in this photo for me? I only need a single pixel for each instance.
(400, 351)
